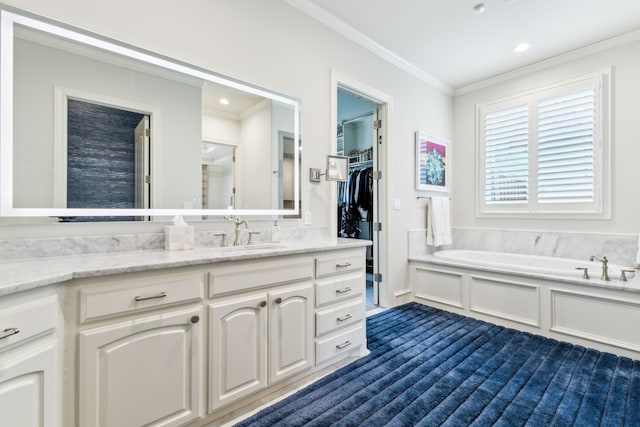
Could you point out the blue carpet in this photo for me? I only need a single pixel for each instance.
(428, 367)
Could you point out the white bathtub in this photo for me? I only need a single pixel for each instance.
(531, 263)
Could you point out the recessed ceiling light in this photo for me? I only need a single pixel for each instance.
(224, 101)
(521, 47)
(479, 8)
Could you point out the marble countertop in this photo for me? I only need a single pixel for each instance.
(24, 274)
(632, 285)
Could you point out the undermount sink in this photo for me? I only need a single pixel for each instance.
(257, 246)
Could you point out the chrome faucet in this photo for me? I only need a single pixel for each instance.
(238, 222)
(605, 267)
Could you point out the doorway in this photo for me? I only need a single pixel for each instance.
(107, 158)
(358, 201)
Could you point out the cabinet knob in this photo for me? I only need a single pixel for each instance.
(263, 303)
(278, 300)
(195, 319)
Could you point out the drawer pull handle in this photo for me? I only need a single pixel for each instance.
(160, 295)
(195, 319)
(263, 304)
(345, 265)
(343, 318)
(278, 300)
(343, 290)
(343, 345)
(8, 332)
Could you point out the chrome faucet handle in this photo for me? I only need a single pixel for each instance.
(585, 273)
(251, 233)
(623, 276)
(223, 241)
(605, 266)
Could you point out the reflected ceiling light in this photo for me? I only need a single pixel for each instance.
(479, 8)
(521, 47)
(224, 101)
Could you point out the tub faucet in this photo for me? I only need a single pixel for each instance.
(605, 267)
(238, 222)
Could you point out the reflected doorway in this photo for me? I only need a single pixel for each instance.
(218, 175)
(107, 159)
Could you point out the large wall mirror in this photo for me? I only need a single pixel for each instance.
(93, 129)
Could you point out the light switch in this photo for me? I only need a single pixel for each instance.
(396, 204)
(307, 218)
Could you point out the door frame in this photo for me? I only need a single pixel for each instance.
(60, 144)
(383, 163)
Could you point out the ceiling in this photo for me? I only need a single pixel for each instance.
(449, 44)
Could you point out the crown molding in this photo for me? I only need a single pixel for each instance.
(342, 28)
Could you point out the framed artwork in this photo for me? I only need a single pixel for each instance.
(433, 163)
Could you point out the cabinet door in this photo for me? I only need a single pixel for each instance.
(145, 371)
(238, 348)
(28, 387)
(291, 331)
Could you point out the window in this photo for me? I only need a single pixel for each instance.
(542, 153)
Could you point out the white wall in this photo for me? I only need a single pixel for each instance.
(625, 146)
(220, 129)
(176, 140)
(271, 44)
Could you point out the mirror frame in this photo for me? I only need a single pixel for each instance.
(10, 16)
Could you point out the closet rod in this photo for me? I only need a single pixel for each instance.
(344, 122)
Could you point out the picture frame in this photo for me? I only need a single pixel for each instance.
(433, 163)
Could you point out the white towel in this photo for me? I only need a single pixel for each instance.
(438, 222)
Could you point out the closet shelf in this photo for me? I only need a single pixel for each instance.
(360, 164)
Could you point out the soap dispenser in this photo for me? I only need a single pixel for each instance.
(275, 232)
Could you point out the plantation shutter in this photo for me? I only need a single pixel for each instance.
(566, 141)
(506, 148)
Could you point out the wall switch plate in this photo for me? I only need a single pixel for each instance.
(307, 218)
(396, 204)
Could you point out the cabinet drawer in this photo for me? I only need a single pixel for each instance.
(130, 295)
(339, 288)
(27, 320)
(340, 262)
(242, 276)
(334, 318)
(343, 343)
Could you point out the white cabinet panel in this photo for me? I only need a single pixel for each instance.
(117, 297)
(146, 371)
(334, 318)
(28, 320)
(250, 275)
(439, 286)
(238, 348)
(28, 387)
(339, 288)
(596, 318)
(339, 263)
(290, 331)
(339, 344)
(511, 300)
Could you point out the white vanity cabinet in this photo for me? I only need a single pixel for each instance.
(340, 305)
(180, 345)
(29, 358)
(143, 365)
(259, 337)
